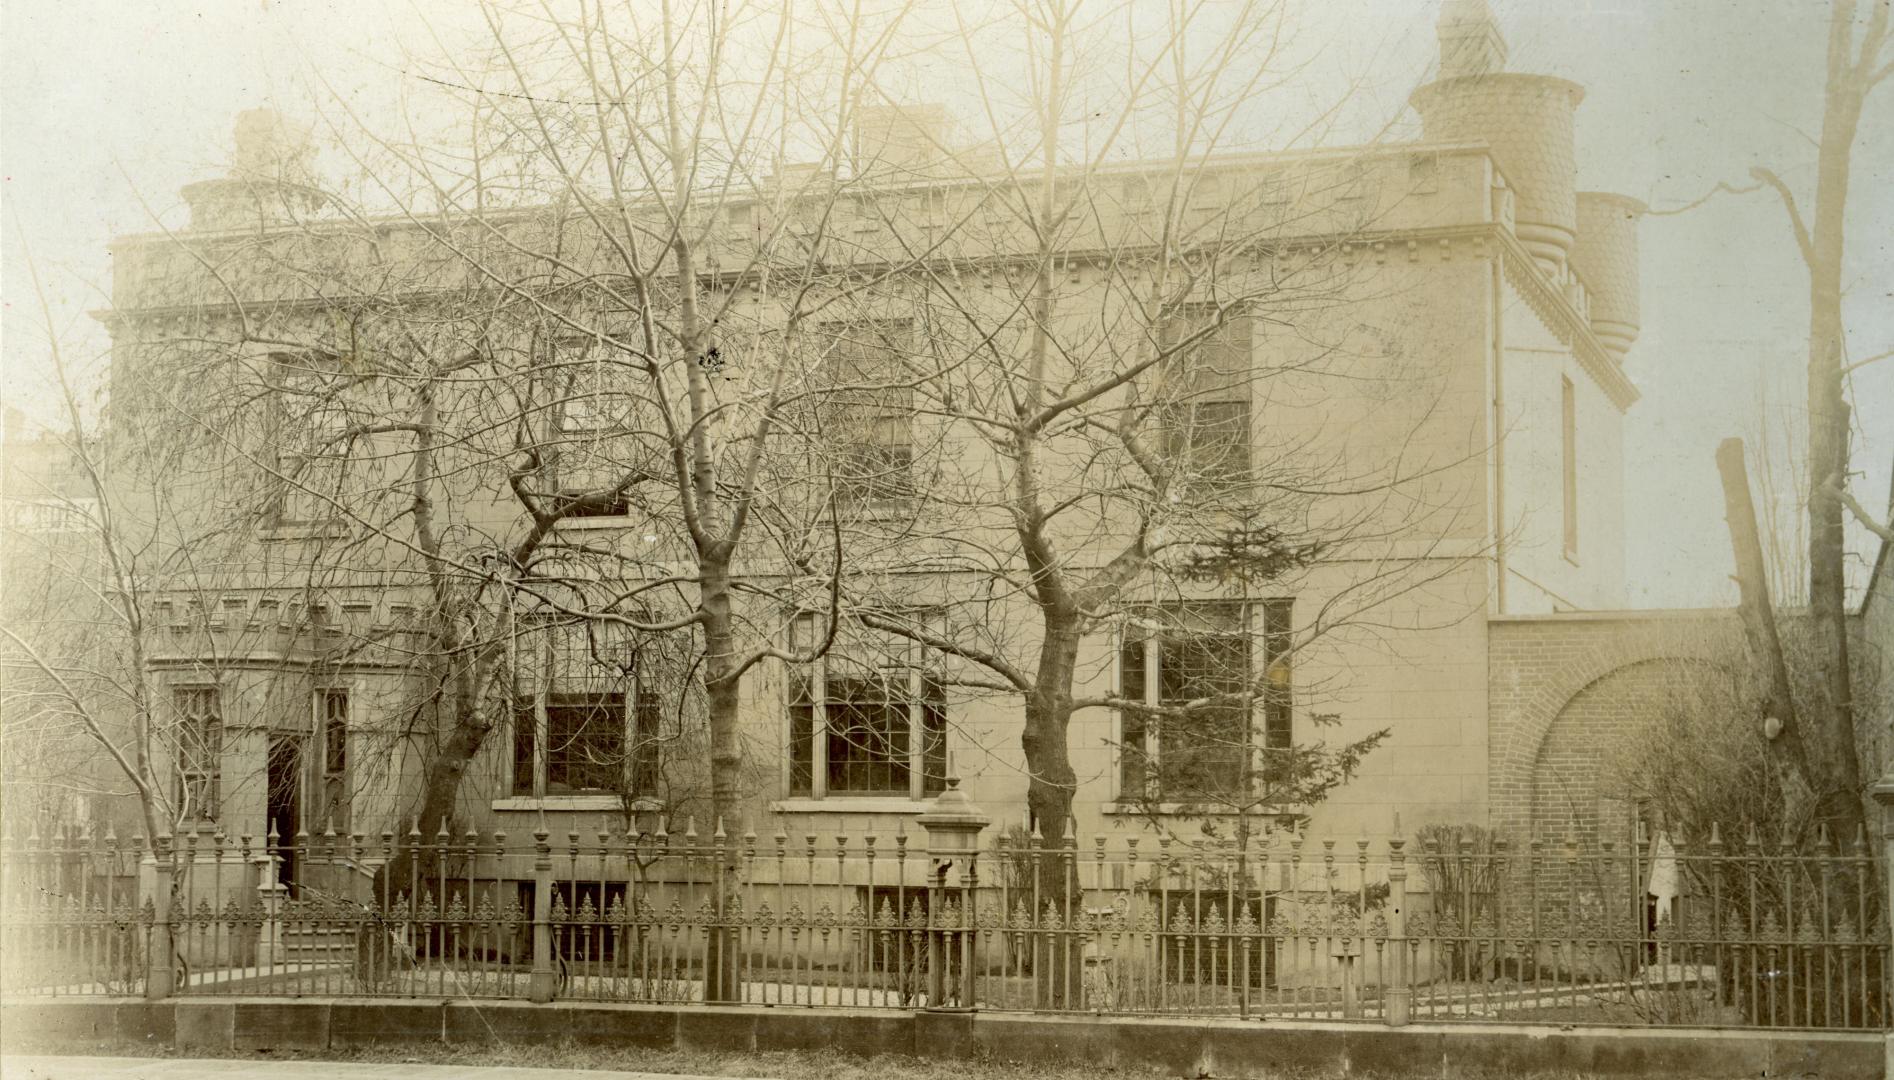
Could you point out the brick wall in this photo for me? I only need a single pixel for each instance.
(1565, 689)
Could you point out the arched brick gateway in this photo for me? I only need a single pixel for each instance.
(1559, 686)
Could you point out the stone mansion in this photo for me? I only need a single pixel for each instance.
(1495, 306)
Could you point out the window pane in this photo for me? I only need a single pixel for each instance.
(934, 748)
(200, 731)
(335, 731)
(524, 722)
(1203, 651)
(1203, 753)
(646, 725)
(1206, 424)
(585, 673)
(870, 738)
(867, 737)
(801, 745)
(1131, 757)
(585, 744)
(1279, 689)
(869, 415)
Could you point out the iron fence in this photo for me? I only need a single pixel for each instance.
(1725, 932)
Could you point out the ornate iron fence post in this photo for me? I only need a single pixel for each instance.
(1400, 994)
(953, 827)
(545, 979)
(160, 971)
(1883, 792)
(272, 897)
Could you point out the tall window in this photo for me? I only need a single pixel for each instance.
(597, 427)
(1568, 462)
(307, 432)
(867, 718)
(1202, 652)
(1279, 731)
(200, 738)
(868, 411)
(1206, 420)
(332, 707)
(587, 719)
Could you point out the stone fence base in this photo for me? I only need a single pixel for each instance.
(1219, 1048)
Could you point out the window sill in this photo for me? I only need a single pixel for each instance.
(1127, 809)
(888, 508)
(850, 804)
(572, 802)
(603, 521)
(305, 530)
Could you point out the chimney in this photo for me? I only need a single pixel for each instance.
(1470, 41)
(269, 182)
(1526, 119)
(899, 137)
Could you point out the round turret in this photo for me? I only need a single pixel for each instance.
(269, 182)
(1606, 257)
(1527, 120)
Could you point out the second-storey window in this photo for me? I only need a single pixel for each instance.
(598, 426)
(1206, 415)
(307, 430)
(865, 719)
(587, 718)
(867, 409)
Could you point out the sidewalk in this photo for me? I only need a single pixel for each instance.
(21, 1067)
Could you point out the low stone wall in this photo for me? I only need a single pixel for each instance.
(1221, 1048)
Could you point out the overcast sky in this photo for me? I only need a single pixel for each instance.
(110, 107)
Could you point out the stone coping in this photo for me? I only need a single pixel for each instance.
(1188, 1047)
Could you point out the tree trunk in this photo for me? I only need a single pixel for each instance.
(721, 704)
(1834, 752)
(1058, 966)
(1758, 614)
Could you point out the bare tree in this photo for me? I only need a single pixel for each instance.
(77, 652)
(599, 304)
(1114, 350)
(1857, 61)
